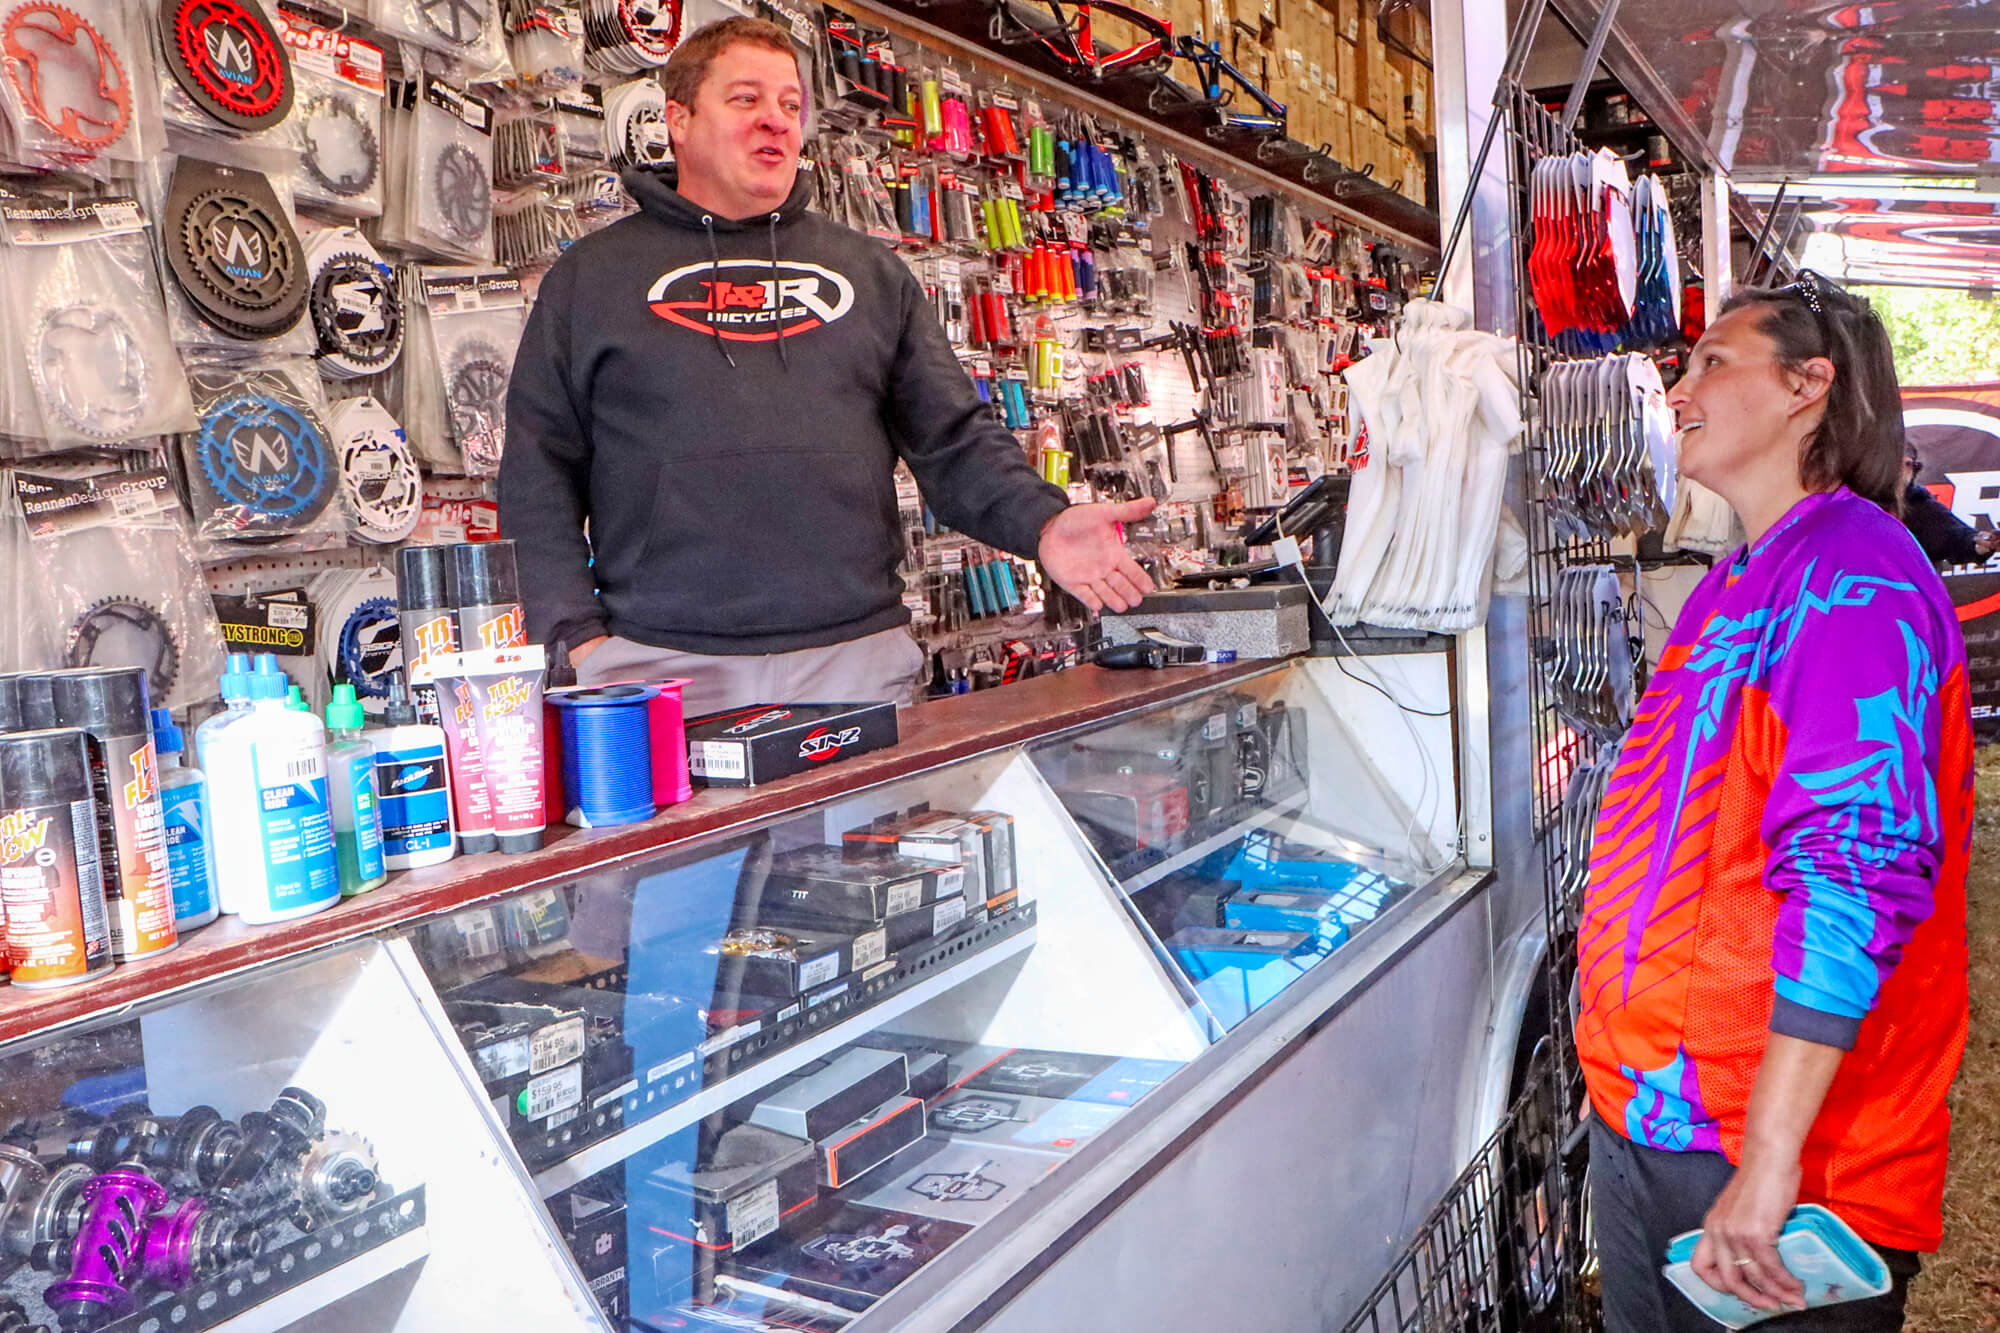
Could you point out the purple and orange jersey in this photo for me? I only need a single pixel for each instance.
(1782, 848)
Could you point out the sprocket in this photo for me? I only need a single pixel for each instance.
(138, 615)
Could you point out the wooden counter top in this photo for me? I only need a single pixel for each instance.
(932, 734)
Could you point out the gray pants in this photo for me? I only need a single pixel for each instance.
(1641, 1198)
(882, 667)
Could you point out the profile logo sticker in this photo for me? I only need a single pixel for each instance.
(742, 301)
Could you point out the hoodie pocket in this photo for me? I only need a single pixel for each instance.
(769, 540)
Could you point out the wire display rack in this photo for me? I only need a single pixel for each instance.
(1497, 1255)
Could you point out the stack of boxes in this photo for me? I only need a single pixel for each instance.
(1366, 101)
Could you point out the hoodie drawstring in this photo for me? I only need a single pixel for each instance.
(784, 353)
(715, 285)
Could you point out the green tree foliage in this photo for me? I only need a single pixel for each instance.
(1940, 337)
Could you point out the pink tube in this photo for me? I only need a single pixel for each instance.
(506, 688)
(471, 803)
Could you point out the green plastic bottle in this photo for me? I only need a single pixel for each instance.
(295, 700)
(357, 813)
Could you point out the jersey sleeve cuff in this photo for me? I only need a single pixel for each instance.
(1789, 1018)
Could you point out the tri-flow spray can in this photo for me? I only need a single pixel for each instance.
(111, 708)
(58, 930)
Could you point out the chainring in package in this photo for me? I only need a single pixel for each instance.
(338, 114)
(379, 476)
(238, 266)
(475, 325)
(468, 33)
(90, 359)
(119, 580)
(74, 86)
(260, 463)
(357, 312)
(450, 166)
(225, 71)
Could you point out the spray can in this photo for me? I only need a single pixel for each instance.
(357, 815)
(58, 928)
(10, 701)
(426, 620)
(487, 588)
(38, 709)
(110, 707)
(190, 848)
(413, 778)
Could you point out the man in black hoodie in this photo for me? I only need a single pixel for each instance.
(706, 412)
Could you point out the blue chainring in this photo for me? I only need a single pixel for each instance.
(354, 653)
(265, 458)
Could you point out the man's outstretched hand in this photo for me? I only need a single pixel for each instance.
(1084, 552)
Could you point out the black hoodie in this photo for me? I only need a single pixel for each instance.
(724, 403)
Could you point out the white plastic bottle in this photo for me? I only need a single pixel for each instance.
(270, 771)
(231, 814)
(190, 840)
(413, 780)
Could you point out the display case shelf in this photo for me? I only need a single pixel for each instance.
(919, 988)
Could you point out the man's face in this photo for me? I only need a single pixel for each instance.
(738, 146)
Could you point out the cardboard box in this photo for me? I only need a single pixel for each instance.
(1413, 29)
(1375, 79)
(1339, 130)
(1347, 19)
(1346, 67)
(822, 884)
(1393, 122)
(821, 1097)
(1421, 117)
(853, 1150)
(800, 963)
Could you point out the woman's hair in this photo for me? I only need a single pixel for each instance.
(1859, 440)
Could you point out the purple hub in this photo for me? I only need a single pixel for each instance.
(117, 1204)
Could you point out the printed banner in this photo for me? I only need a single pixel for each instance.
(1955, 429)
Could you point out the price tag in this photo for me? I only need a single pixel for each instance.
(753, 1216)
(556, 1044)
(501, 1060)
(870, 949)
(718, 759)
(551, 1093)
(666, 1067)
(951, 880)
(479, 932)
(821, 969)
(905, 896)
(948, 914)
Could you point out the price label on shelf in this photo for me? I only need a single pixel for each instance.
(551, 1093)
(870, 948)
(556, 1044)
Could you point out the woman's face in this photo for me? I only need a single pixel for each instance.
(1738, 410)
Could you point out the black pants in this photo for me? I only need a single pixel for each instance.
(1641, 1198)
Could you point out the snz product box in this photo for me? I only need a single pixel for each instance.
(819, 884)
(746, 746)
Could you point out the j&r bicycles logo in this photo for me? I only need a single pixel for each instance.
(744, 300)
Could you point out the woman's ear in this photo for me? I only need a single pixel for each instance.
(1809, 384)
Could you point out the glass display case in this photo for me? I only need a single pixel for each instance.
(763, 1077)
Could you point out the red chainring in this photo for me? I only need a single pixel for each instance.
(66, 27)
(257, 87)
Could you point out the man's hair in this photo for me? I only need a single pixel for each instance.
(1859, 441)
(688, 66)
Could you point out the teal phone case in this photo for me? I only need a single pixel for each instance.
(1830, 1261)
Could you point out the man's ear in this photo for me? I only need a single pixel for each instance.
(676, 117)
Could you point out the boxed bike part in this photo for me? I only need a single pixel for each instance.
(907, 928)
(819, 884)
(1205, 951)
(591, 1218)
(746, 1179)
(1266, 620)
(765, 961)
(1286, 910)
(764, 742)
(512, 1040)
(825, 1095)
(928, 835)
(1129, 813)
(1002, 869)
(853, 1150)
(858, 1255)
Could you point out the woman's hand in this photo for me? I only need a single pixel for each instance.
(1738, 1251)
